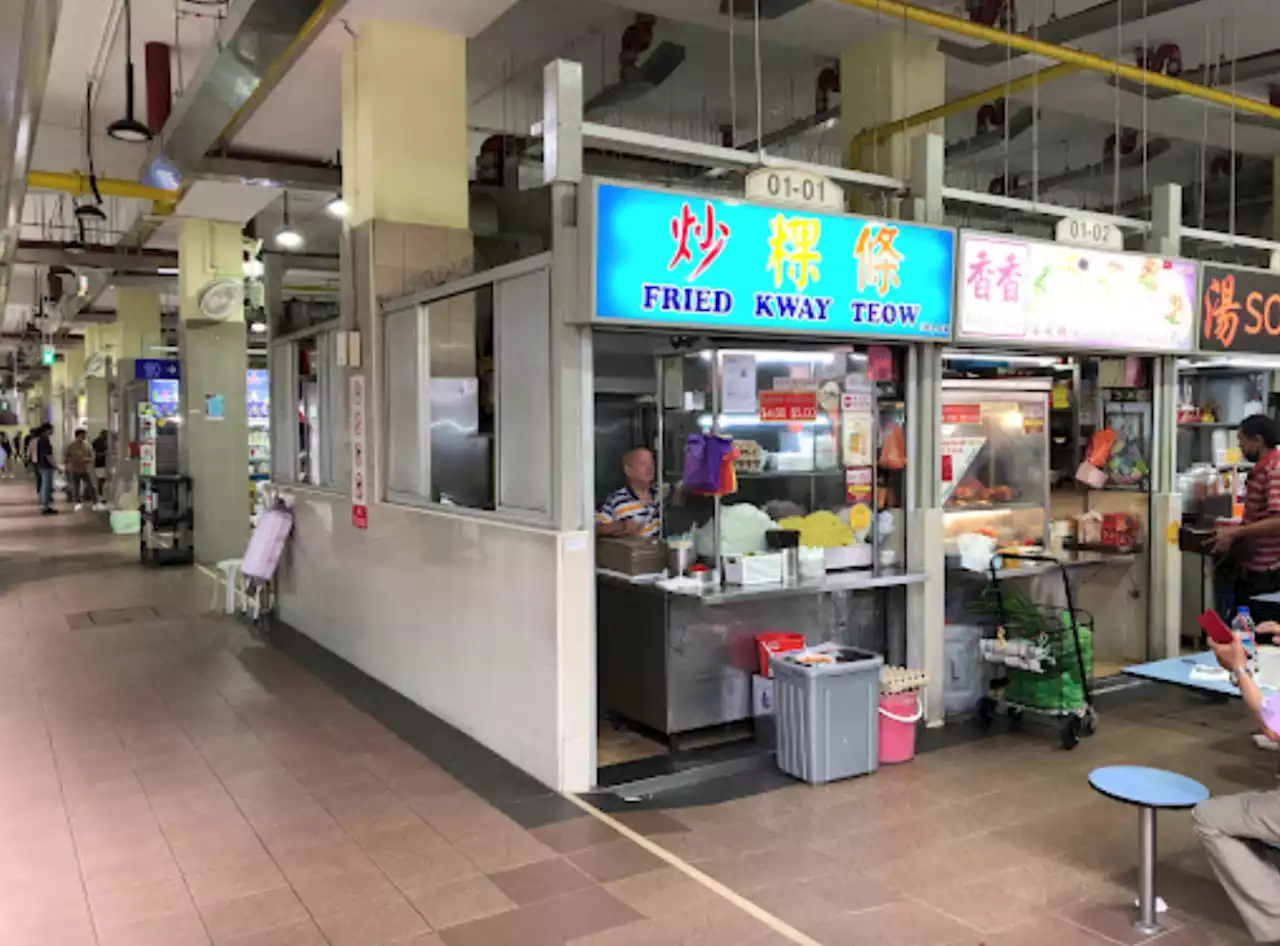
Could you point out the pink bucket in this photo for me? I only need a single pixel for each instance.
(899, 713)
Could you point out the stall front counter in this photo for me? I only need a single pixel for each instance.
(681, 660)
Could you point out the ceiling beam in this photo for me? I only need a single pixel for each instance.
(277, 172)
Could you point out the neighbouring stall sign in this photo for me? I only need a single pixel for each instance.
(48, 355)
(669, 259)
(1069, 297)
(152, 369)
(1240, 310)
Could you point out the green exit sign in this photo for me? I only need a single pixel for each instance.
(48, 356)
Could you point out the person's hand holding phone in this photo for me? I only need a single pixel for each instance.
(1232, 656)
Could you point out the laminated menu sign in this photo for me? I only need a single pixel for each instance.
(797, 406)
(359, 478)
(958, 454)
(1241, 310)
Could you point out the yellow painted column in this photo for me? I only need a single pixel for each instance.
(137, 323)
(404, 126)
(213, 352)
(886, 78)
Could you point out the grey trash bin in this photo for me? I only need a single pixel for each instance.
(828, 715)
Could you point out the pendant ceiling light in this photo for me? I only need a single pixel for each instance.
(128, 128)
(287, 238)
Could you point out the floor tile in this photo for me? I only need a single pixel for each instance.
(566, 837)
(255, 913)
(234, 881)
(462, 901)
(382, 922)
(183, 928)
(615, 860)
(541, 880)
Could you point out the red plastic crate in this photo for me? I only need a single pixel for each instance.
(776, 642)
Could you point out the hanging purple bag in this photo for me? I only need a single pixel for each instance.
(704, 455)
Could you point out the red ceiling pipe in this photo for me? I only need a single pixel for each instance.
(159, 87)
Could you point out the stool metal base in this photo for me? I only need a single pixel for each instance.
(1147, 923)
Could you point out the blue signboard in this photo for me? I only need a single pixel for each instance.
(663, 258)
(149, 369)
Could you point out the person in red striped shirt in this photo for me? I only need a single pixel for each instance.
(1255, 543)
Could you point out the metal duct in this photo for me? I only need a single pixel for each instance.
(1020, 123)
(1067, 29)
(1100, 170)
(768, 9)
(27, 29)
(256, 44)
(1245, 69)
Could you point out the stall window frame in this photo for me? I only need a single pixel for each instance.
(421, 303)
(332, 410)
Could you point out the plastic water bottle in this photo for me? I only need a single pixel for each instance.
(1243, 624)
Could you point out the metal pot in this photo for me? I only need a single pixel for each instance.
(680, 559)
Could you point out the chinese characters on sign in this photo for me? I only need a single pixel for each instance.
(1065, 296)
(1241, 311)
(359, 476)
(667, 258)
(709, 236)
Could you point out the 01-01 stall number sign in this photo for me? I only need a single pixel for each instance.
(359, 475)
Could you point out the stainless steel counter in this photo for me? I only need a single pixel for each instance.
(678, 661)
(1031, 569)
(832, 582)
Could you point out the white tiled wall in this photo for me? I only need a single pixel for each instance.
(487, 625)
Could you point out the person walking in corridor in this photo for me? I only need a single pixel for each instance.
(45, 468)
(100, 447)
(78, 461)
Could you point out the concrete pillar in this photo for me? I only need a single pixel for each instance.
(406, 185)
(137, 326)
(56, 401)
(215, 435)
(1165, 237)
(393, 169)
(885, 78)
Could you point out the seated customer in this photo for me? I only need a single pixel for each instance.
(1236, 829)
(633, 509)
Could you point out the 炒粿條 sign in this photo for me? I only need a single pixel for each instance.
(1240, 310)
(668, 259)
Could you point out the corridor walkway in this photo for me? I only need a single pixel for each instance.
(168, 780)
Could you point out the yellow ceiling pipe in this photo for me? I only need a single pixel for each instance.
(77, 184)
(1063, 54)
(882, 133)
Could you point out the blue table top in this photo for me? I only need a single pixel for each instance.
(1181, 672)
(1149, 788)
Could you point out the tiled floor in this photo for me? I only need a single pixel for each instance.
(165, 780)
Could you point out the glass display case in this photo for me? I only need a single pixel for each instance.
(820, 449)
(995, 460)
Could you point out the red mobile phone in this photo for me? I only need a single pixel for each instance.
(1214, 626)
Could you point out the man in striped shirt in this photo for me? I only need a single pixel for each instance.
(1257, 540)
(633, 509)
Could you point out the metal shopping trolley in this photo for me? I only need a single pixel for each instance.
(1045, 657)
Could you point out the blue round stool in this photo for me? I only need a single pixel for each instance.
(1150, 790)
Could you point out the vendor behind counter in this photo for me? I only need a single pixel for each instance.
(633, 508)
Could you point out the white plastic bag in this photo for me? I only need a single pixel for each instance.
(976, 551)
